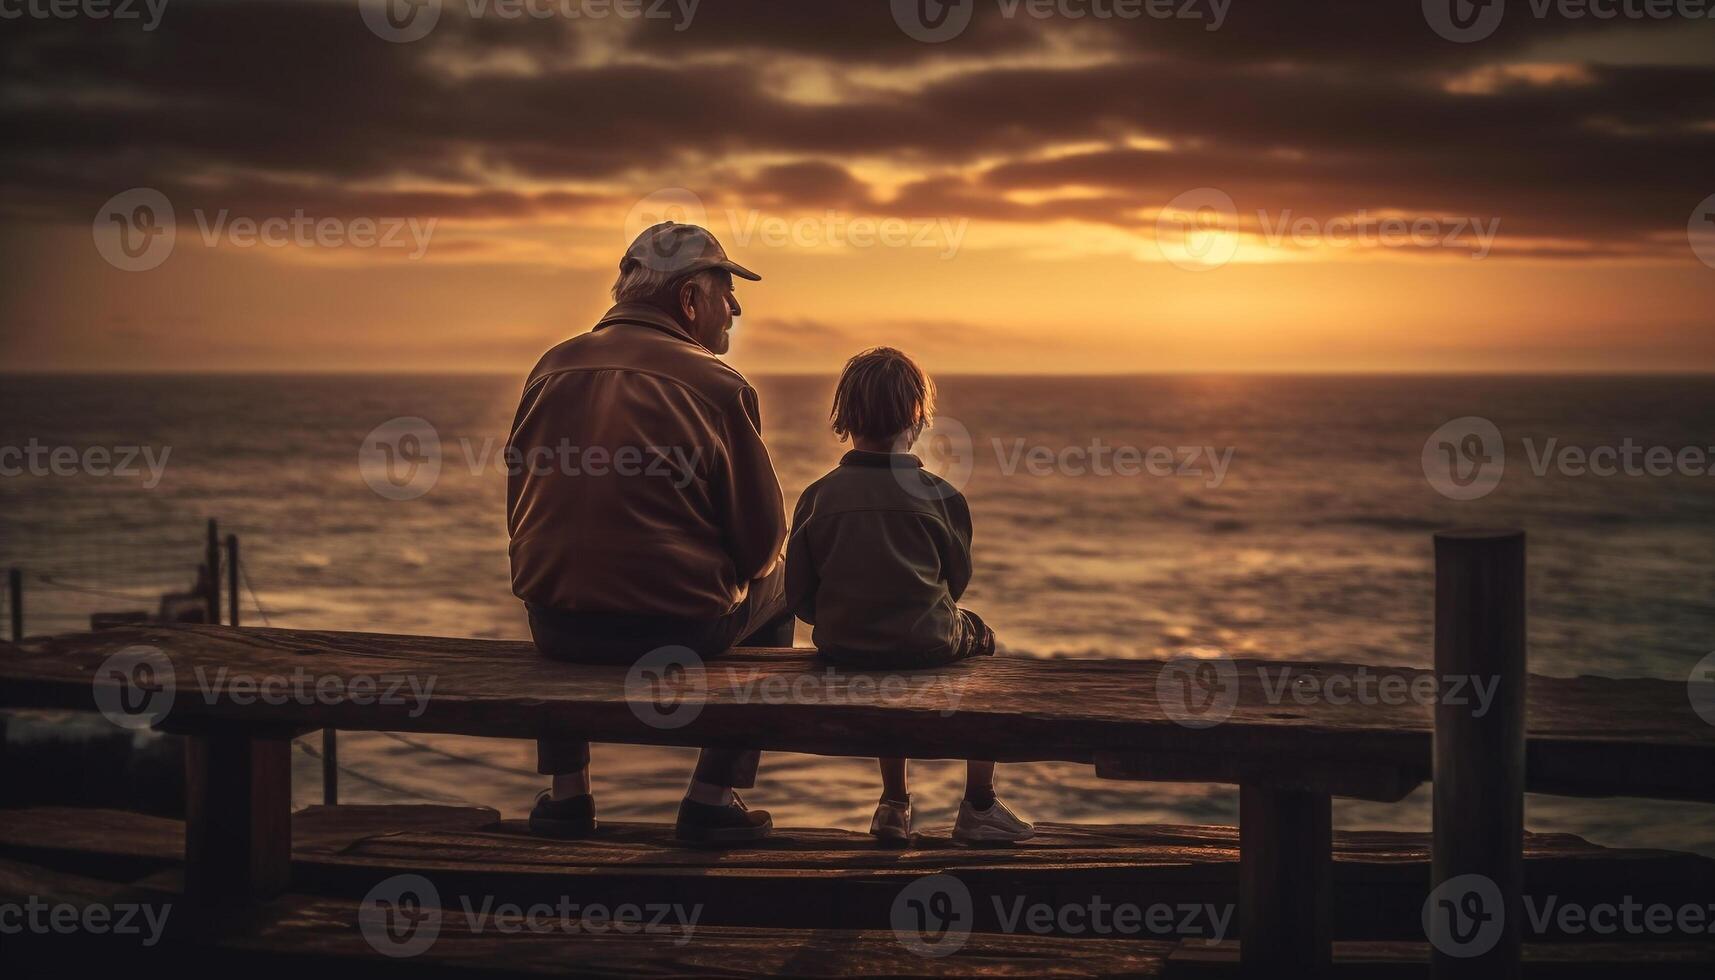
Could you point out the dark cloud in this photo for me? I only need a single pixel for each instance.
(1392, 36)
(814, 183)
(1349, 32)
(268, 107)
(844, 31)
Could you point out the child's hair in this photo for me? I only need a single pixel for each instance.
(881, 394)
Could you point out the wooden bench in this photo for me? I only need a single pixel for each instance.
(1290, 756)
(1587, 736)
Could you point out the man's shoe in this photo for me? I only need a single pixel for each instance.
(892, 823)
(996, 825)
(568, 819)
(703, 823)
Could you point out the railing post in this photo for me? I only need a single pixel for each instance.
(232, 580)
(1474, 913)
(211, 555)
(15, 592)
(330, 767)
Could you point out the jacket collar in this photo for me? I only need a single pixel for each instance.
(860, 457)
(645, 315)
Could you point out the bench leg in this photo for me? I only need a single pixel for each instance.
(238, 816)
(1286, 893)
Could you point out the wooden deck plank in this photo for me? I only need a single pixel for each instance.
(815, 878)
(1586, 735)
(1397, 960)
(300, 935)
(362, 831)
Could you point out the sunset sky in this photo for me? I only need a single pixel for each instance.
(1036, 194)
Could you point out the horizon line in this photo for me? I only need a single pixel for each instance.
(1231, 372)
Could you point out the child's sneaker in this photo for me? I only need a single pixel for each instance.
(892, 823)
(995, 825)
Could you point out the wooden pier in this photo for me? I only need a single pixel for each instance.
(1308, 901)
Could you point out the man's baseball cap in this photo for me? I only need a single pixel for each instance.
(682, 249)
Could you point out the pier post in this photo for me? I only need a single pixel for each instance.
(232, 580)
(1474, 912)
(330, 767)
(15, 599)
(211, 555)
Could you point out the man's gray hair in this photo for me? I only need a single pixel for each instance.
(642, 284)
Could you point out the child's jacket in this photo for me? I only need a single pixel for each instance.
(879, 554)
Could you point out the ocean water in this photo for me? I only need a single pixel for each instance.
(1312, 541)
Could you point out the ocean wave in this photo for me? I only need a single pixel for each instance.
(1380, 522)
(1203, 503)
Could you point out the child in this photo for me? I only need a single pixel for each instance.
(879, 554)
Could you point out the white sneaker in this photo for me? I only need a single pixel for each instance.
(996, 825)
(892, 823)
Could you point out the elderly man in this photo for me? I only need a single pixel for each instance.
(644, 510)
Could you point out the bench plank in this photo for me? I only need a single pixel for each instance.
(1586, 735)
